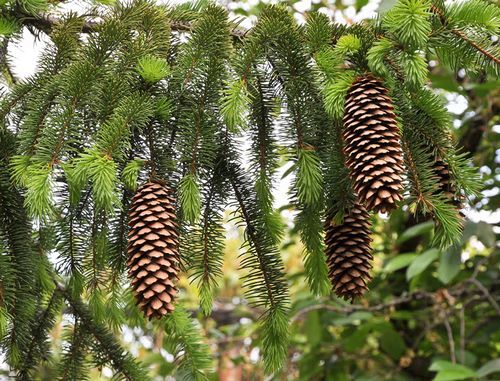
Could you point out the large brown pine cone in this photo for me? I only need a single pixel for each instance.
(372, 145)
(153, 249)
(348, 252)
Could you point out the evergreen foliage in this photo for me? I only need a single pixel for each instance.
(194, 359)
(167, 93)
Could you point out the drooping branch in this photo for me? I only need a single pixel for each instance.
(105, 341)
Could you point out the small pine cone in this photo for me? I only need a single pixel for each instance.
(348, 252)
(372, 145)
(153, 249)
(446, 188)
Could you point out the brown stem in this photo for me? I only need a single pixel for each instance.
(46, 23)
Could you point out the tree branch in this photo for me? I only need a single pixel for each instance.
(121, 360)
(9, 76)
(462, 35)
(432, 297)
(46, 23)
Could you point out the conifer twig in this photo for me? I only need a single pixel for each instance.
(253, 239)
(4, 63)
(476, 46)
(121, 361)
(462, 35)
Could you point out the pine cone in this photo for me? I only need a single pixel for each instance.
(372, 146)
(348, 252)
(446, 188)
(153, 249)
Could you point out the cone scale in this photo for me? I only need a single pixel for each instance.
(348, 252)
(153, 258)
(372, 145)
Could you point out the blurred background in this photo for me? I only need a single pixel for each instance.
(430, 315)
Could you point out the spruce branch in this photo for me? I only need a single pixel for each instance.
(37, 348)
(476, 46)
(131, 96)
(47, 22)
(105, 343)
(5, 68)
(184, 339)
(265, 281)
(251, 231)
(463, 14)
(462, 35)
(203, 244)
(73, 364)
(16, 227)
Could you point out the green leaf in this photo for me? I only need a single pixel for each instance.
(409, 22)
(334, 93)
(353, 318)
(34, 6)
(309, 179)
(415, 231)
(313, 328)
(235, 103)
(449, 264)
(164, 108)
(101, 169)
(453, 374)
(490, 367)
(190, 198)
(152, 69)
(447, 371)
(8, 26)
(376, 55)
(329, 61)
(184, 338)
(39, 200)
(399, 262)
(391, 341)
(415, 69)
(357, 339)
(275, 339)
(360, 4)
(348, 44)
(486, 234)
(476, 13)
(130, 173)
(445, 82)
(421, 262)
(318, 31)
(20, 165)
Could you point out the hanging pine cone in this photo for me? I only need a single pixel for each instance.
(372, 146)
(446, 188)
(153, 249)
(348, 252)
